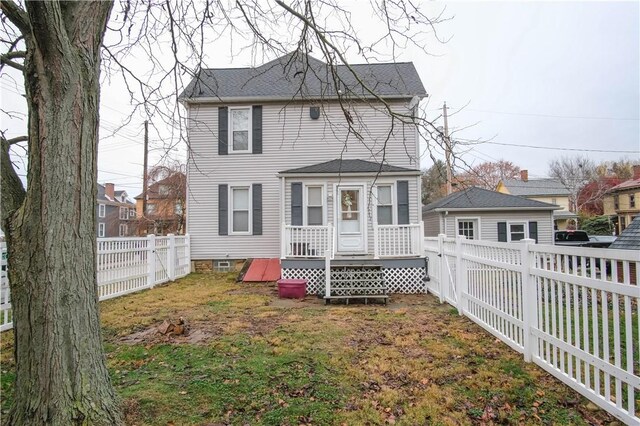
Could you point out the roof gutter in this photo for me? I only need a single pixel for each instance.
(491, 209)
(350, 174)
(245, 99)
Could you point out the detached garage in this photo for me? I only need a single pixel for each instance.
(480, 214)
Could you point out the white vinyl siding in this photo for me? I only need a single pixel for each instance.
(290, 139)
(489, 223)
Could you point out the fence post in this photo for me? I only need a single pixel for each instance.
(461, 278)
(421, 239)
(444, 283)
(151, 260)
(171, 257)
(187, 250)
(328, 254)
(529, 300)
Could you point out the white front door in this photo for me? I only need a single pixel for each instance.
(350, 219)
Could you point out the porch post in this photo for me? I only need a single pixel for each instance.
(283, 241)
(376, 235)
(328, 253)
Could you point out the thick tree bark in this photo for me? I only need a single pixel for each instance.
(61, 376)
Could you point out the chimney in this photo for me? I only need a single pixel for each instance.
(524, 175)
(109, 190)
(636, 171)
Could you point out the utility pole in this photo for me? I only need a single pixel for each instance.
(447, 143)
(145, 177)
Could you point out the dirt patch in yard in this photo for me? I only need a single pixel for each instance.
(198, 334)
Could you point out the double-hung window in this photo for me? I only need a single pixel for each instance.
(240, 209)
(102, 209)
(124, 213)
(517, 231)
(385, 204)
(240, 129)
(101, 230)
(468, 228)
(124, 229)
(315, 206)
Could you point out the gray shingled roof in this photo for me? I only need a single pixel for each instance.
(533, 187)
(297, 75)
(478, 198)
(629, 239)
(348, 166)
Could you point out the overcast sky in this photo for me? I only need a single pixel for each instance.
(555, 75)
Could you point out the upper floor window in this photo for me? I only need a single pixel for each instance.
(385, 205)
(240, 209)
(177, 208)
(101, 230)
(163, 190)
(616, 202)
(151, 208)
(240, 129)
(124, 213)
(315, 206)
(632, 201)
(102, 210)
(132, 213)
(124, 229)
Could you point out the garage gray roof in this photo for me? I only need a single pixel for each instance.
(298, 75)
(629, 239)
(535, 187)
(348, 166)
(478, 198)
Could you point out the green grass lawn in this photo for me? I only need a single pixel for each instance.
(251, 358)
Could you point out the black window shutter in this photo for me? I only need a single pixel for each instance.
(256, 135)
(223, 209)
(403, 202)
(502, 232)
(533, 231)
(223, 130)
(256, 205)
(296, 203)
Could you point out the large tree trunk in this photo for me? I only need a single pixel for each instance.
(61, 376)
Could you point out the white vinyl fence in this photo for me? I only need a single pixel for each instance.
(124, 265)
(572, 311)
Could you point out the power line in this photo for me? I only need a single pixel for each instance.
(551, 147)
(533, 114)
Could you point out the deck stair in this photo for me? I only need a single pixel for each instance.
(357, 281)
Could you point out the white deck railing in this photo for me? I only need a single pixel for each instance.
(307, 241)
(124, 265)
(398, 240)
(572, 311)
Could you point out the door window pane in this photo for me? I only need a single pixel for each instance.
(349, 204)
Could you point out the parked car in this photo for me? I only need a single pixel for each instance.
(572, 238)
(601, 240)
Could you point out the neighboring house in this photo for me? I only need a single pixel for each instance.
(166, 210)
(271, 166)
(629, 239)
(116, 214)
(622, 202)
(546, 190)
(480, 214)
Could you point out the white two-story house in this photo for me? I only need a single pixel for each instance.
(289, 161)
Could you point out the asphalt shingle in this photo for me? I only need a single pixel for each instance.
(629, 239)
(348, 166)
(533, 187)
(297, 75)
(478, 198)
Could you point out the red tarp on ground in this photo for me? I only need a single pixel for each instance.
(262, 270)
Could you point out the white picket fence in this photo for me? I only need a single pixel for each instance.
(569, 310)
(124, 265)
